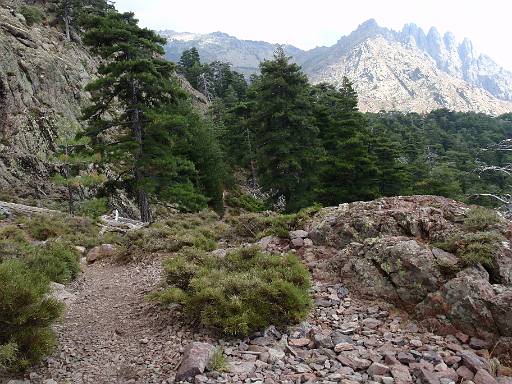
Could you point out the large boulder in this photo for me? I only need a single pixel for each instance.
(196, 358)
(100, 252)
(390, 248)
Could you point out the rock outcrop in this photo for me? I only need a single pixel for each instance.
(389, 248)
(41, 85)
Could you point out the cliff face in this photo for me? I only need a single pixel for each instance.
(41, 83)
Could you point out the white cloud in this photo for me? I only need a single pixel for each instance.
(307, 24)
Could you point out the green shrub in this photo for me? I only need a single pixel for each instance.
(42, 227)
(180, 230)
(480, 218)
(218, 362)
(474, 248)
(239, 200)
(481, 240)
(243, 292)
(74, 229)
(258, 225)
(12, 241)
(479, 248)
(57, 261)
(8, 355)
(32, 14)
(93, 208)
(26, 315)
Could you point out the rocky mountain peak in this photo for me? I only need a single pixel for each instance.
(407, 70)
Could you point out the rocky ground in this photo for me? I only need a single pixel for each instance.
(369, 323)
(111, 334)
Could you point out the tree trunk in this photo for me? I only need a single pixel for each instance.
(251, 155)
(66, 22)
(142, 196)
(71, 201)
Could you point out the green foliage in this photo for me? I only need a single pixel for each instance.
(93, 208)
(284, 131)
(32, 14)
(347, 168)
(8, 354)
(480, 218)
(238, 200)
(482, 240)
(243, 292)
(440, 151)
(143, 123)
(26, 314)
(68, 229)
(215, 80)
(257, 225)
(218, 362)
(474, 248)
(57, 261)
(176, 232)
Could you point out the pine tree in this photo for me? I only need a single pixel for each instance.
(285, 134)
(134, 79)
(71, 12)
(191, 67)
(347, 170)
(72, 157)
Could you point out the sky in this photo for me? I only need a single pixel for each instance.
(307, 24)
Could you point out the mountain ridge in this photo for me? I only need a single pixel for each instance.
(463, 79)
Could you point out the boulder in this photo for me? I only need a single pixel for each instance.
(299, 234)
(196, 357)
(60, 293)
(378, 369)
(484, 377)
(100, 252)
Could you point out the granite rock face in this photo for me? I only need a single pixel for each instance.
(41, 83)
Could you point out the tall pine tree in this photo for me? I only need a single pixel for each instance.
(347, 170)
(284, 131)
(134, 80)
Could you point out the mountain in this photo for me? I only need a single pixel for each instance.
(407, 70)
(244, 55)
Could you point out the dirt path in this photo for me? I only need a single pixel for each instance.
(111, 334)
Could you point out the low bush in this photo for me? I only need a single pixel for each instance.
(480, 240)
(93, 208)
(218, 362)
(242, 201)
(32, 14)
(245, 291)
(257, 225)
(200, 231)
(26, 315)
(57, 261)
(73, 229)
(480, 219)
(12, 242)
